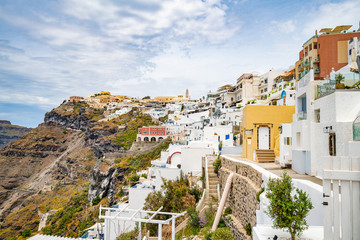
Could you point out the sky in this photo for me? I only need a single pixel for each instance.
(50, 50)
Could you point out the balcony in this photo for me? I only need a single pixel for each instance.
(304, 73)
(316, 70)
(302, 116)
(316, 60)
(306, 63)
(351, 81)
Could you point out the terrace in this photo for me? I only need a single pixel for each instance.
(351, 81)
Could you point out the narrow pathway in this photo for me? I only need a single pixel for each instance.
(276, 169)
(37, 181)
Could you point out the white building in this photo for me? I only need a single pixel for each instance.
(323, 123)
(285, 145)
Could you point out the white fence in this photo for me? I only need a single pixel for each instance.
(341, 186)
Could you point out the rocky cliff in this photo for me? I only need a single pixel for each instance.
(9, 133)
(60, 166)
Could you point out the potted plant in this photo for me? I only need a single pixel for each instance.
(339, 81)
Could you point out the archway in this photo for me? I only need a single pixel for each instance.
(160, 138)
(139, 139)
(146, 139)
(169, 160)
(153, 139)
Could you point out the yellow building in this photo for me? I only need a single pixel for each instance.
(105, 93)
(164, 99)
(260, 130)
(121, 97)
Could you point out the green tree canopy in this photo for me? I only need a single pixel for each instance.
(287, 210)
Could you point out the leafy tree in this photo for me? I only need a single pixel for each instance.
(287, 210)
(146, 97)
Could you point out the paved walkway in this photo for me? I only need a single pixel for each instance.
(276, 169)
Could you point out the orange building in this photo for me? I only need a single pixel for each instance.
(324, 52)
(76, 99)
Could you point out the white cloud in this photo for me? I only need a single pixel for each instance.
(330, 15)
(282, 26)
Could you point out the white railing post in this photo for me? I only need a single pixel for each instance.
(160, 232)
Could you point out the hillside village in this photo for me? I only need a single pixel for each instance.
(304, 121)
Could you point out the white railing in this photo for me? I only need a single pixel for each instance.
(341, 196)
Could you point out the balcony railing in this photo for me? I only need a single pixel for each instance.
(316, 70)
(316, 60)
(302, 116)
(325, 87)
(329, 85)
(306, 63)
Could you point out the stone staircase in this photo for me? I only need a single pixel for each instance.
(213, 181)
(265, 156)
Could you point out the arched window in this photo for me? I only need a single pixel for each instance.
(356, 129)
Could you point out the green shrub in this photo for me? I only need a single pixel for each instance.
(96, 201)
(259, 193)
(196, 192)
(26, 233)
(248, 229)
(227, 211)
(208, 236)
(194, 217)
(221, 223)
(128, 236)
(222, 234)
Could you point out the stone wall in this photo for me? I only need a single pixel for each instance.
(242, 196)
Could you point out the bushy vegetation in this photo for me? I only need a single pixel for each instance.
(96, 200)
(132, 235)
(141, 161)
(175, 196)
(288, 210)
(227, 211)
(132, 120)
(164, 118)
(222, 234)
(68, 221)
(26, 233)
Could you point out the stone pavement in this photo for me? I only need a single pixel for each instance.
(275, 168)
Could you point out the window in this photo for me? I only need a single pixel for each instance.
(287, 140)
(317, 115)
(356, 129)
(315, 45)
(298, 139)
(332, 144)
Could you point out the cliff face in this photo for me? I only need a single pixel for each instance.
(9, 133)
(104, 181)
(59, 166)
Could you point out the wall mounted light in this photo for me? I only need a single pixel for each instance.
(327, 129)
